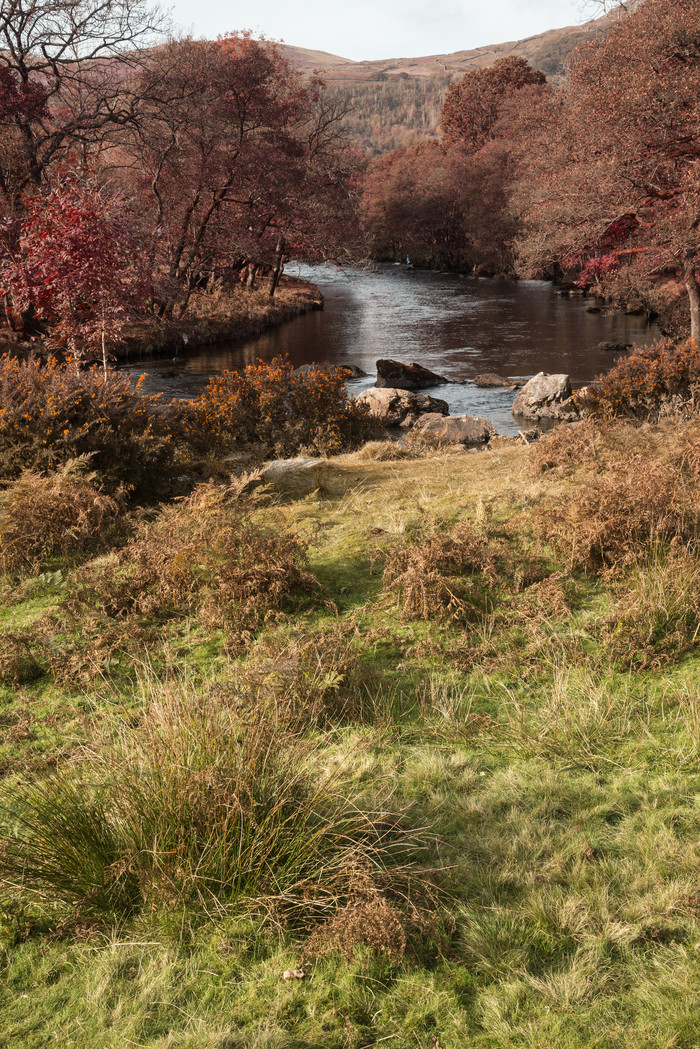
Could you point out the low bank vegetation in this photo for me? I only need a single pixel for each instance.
(327, 768)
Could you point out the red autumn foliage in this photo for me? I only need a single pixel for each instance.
(613, 166)
(77, 266)
(473, 104)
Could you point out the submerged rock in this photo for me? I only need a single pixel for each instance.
(615, 347)
(396, 375)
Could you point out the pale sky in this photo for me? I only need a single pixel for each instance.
(368, 29)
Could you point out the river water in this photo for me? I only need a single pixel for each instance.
(455, 325)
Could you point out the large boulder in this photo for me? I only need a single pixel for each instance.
(394, 375)
(541, 397)
(469, 430)
(401, 407)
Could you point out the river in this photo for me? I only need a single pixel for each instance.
(455, 325)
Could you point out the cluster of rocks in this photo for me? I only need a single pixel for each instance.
(545, 397)
(396, 398)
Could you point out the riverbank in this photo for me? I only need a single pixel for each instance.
(230, 314)
(495, 655)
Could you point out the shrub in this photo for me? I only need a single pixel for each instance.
(205, 556)
(199, 805)
(267, 404)
(52, 413)
(451, 573)
(618, 515)
(657, 618)
(654, 379)
(64, 513)
(19, 664)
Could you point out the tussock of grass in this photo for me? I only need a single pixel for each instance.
(198, 803)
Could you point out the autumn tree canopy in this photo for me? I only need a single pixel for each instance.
(612, 183)
(473, 104)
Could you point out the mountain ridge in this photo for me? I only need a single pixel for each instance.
(549, 51)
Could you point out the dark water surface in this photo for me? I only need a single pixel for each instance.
(457, 326)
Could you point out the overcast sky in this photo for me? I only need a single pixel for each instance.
(381, 28)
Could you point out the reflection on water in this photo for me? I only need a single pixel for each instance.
(457, 326)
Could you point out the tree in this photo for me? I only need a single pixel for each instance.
(235, 156)
(77, 266)
(414, 204)
(613, 178)
(473, 104)
(64, 66)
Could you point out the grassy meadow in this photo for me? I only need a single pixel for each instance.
(408, 760)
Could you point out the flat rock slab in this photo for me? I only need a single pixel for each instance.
(294, 478)
(541, 397)
(401, 407)
(396, 375)
(491, 379)
(471, 431)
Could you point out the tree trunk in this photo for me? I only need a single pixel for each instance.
(278, 267)
(693, 289)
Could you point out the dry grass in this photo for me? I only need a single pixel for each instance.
(448, 574)
(62, 514)
(204, 556)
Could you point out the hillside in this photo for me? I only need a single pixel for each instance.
(397, 101)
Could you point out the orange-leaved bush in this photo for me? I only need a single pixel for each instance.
(653, 378)
(269, 404)
(51, 413)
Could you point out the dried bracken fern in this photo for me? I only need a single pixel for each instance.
(64, 513)
(204, 556)
(617, 515)
(443, 574)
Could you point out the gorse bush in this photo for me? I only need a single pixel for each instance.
(201, 804)
(267, 404)
(64, 513)
(653, 380)
(204, 556)
(52, 413)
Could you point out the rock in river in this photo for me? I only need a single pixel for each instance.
(488, 379)
(541, 397)
(401, 407)
(397, 376)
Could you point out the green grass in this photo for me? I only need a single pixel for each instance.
(550, 776)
